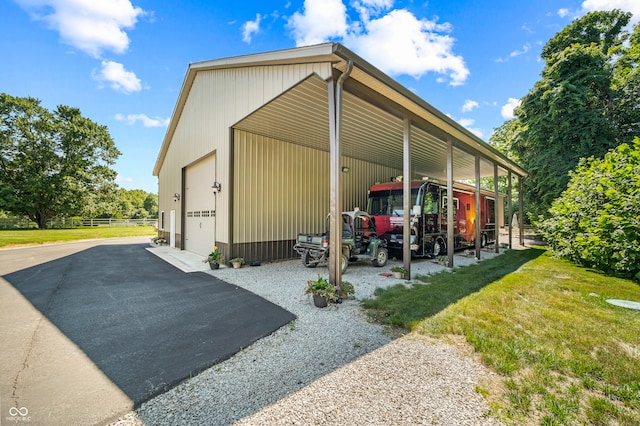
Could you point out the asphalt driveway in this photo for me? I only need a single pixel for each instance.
(112, 317)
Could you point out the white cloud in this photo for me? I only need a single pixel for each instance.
(118, 77)
(632, 6)
(507, 109)
(395, 41)
(524, 50)
(469, 105)
(516, 53)
(146, 121)
(366, 8)
(250, 27)
(91, 26)
(467, 123)
(120, 178)
(321, 20)
(478, 132)
(400, 43)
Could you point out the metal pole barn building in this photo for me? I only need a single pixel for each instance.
(258, 148)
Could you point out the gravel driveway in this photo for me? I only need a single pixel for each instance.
(331, 366)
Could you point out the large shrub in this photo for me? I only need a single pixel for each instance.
(596, 221)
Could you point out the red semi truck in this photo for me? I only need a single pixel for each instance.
(429, 216)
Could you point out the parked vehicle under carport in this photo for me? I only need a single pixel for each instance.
(359, 242)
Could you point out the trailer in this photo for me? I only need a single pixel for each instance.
(429, 217)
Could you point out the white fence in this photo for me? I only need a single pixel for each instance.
(75, 222)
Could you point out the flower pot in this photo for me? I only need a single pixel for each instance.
(398, 274)
(214, 265)
(319, 301)
(236, 265)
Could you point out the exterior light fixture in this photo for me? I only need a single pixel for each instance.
(217, 187)
(176, 197)
(345, 169)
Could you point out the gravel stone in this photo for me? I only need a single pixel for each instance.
(329, 366)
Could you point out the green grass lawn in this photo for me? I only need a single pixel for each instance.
(564, 355)
(42, 236)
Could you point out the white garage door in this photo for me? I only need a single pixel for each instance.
(200, 206)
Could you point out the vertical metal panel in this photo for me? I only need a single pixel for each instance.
(361, 176)
(282, 189)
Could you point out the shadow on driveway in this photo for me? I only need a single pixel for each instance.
(144, 323)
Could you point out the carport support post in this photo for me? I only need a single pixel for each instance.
(521, 210)
(335, 177)
(510, 204)
(335, 181)
(406, 185)
(450, 226)
(496, 208)
(478, 215)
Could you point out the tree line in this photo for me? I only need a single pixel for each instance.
(131, 204)
(125, 204)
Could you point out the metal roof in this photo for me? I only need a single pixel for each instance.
(374, 106)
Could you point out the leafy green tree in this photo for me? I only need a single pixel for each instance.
(626, 84)
(151, 204)
(130, 204)
(582, 106)
(52, 163)
(596, 222)
(604, 30)
(564, 117)
(137, 198)
(505, 136)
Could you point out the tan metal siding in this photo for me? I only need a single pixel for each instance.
(282, 189)
(218, 99)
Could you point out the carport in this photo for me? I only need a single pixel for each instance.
(363, 114)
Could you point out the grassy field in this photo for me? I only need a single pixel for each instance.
(564, 355)
(18, 237)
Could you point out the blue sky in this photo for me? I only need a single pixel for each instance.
(122, 62)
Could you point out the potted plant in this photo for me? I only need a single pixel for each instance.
(347, 290)
(214, 258)
(399, 271)
(158, 241)
(237, 262)
(323, 292)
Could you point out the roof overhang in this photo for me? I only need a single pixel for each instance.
(374, 107)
